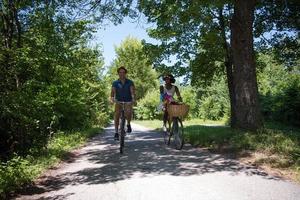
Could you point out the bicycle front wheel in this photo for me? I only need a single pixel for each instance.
(177, 133)
(167, 137)
(122, 135)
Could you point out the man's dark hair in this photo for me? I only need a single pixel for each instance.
(122, 67)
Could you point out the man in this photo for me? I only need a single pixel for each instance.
(122, 90)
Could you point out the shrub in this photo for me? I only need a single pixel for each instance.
(214, 101)
(147, 107)
(189, 96)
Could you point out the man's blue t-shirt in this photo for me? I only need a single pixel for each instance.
(123, 92)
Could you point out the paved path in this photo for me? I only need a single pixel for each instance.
(149, 170)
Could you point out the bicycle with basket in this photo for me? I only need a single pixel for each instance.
(175, 134)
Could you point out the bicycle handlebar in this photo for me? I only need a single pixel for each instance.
(123, 102)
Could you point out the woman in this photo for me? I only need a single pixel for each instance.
(167, 92)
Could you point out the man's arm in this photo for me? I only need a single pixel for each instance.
(178, 93)
(112, 94)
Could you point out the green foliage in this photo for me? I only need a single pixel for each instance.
(279, 89)
(14, 172)
(198, 34)
(147, 107)
(287, 103)
(279, 18)
(190, 31)
(214, 101)
(189, 95)
(208, 103)
(20, 171)
(50, 79)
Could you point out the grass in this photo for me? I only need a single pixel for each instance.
(277, 144)
(19, 171)
(157, 124)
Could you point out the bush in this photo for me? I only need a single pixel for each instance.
(279, 92)
(214, 101)
(147, 107)
(189, 96)
(14, 173)
(287, 103)
(19, 171)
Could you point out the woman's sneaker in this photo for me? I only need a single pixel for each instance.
(116, 136)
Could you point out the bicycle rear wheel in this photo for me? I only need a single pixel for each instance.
(177, 133)
(122, 135)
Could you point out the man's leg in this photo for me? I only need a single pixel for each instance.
(128, 115)
(117, 119)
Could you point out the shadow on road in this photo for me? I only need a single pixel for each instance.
(145, 153)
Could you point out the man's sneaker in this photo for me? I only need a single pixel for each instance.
(128, 128)
(116, 136)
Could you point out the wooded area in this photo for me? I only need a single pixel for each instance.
(239, 59)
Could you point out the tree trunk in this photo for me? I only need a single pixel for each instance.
(228, 66)
(247, 110)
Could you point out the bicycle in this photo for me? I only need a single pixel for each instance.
(176, 132)
(122, 125)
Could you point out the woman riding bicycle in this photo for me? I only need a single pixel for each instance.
(167, 92)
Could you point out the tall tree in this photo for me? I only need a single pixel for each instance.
(49, 75)
(199, 34)
(247, 111)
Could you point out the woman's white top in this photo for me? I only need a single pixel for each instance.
(171, 91)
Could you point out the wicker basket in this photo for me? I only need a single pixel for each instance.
(180, 110)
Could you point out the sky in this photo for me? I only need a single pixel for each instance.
(112, 36)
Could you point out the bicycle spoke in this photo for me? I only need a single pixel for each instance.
(122, 135)
(178, 137)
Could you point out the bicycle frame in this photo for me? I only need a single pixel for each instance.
(122, 124)
(175, 131)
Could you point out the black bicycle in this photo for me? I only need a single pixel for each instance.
(175, 134)
(122, 125)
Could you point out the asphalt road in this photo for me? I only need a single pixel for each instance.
(150, 170)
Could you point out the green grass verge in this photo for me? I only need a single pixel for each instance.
(19, 171)
(279, 143)
(157, 124)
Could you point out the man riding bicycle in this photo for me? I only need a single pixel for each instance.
(167, 92)
(123, 90)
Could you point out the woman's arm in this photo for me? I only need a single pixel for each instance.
(161, 89)
(178, 93)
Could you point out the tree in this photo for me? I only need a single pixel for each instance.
(247, 111)
(131, 55)
(200, 35)
(49, 75)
